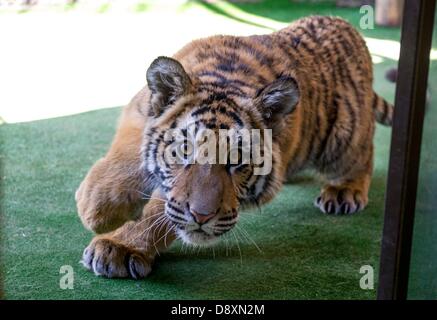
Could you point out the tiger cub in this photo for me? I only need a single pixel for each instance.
(309, 85)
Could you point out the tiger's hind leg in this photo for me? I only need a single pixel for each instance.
(346, 191)
(347, 158)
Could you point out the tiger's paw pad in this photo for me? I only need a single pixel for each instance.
(113, 260)
(339, 201)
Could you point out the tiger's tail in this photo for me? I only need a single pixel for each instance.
(383, 110)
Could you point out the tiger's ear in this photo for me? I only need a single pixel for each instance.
(167, 81)
(277, 99)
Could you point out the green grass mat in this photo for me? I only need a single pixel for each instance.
(304, 254)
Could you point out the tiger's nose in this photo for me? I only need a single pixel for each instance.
(202, 218)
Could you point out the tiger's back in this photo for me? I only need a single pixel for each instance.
(333, 67)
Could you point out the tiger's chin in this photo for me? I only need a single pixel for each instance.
(198, 238)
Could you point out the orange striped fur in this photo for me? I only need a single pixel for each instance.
(310, 82)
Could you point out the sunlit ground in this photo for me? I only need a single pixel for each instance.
(69, 60)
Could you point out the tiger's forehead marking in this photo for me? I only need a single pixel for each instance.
(209, 118)
(214, 111)
(199, 104)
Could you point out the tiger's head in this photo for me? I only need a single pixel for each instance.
(185, 115)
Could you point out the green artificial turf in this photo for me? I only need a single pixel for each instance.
(423, 274)
(304, 254)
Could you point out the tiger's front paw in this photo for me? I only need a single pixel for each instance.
(108, 258)
(341, 200)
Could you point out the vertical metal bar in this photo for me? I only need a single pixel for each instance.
(417, 27)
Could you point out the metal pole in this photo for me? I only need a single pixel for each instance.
(400, 203)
